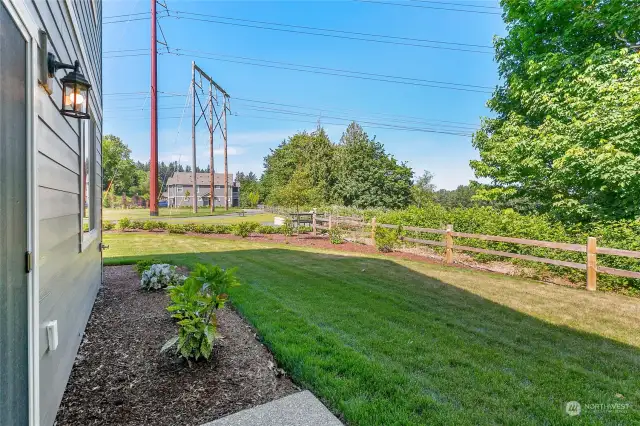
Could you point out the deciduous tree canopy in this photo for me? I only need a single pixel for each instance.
(566, 137)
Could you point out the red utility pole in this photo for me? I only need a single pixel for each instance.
(153, 178)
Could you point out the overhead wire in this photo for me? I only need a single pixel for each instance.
(482, 12)
(312, 69)
(332, 33)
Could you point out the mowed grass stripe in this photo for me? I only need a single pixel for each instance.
(409, 343)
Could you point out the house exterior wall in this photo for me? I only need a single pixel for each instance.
(69, 263)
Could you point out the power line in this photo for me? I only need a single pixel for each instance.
(327, 71)
(457, 4)
(343, 37)
(331, 30)
(339, 34)
(429, 7)
(320, 110)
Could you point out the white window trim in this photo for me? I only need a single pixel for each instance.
(179, 188)
(87, 238)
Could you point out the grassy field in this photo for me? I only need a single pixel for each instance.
(186, 216)
(115, 214)
(392, 342)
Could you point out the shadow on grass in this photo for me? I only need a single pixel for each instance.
(383, 344)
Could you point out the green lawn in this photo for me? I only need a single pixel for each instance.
(115, 214)
(186, 216)
(391, 342)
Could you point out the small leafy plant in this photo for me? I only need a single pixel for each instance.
(107, 225)
(176, 229)
(144, 265)
(159, 276)
(193, 304)
(336, 235)
(244, 229)
(387, 239)
(287, 228)
(124, 223)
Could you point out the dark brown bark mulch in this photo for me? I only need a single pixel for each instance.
(120, 376)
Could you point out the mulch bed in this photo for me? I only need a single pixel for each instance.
(120, 376)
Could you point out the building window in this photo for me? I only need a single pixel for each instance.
(179, 188)
(219, 186)
(88, 180)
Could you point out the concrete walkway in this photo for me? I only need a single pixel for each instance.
(299, 409)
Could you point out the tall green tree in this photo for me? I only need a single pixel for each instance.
(311, 151)
(299, 191)
(117, 165)
(366, 176)
(422, 191)
(565, 137)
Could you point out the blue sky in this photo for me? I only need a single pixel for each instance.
(332, 99)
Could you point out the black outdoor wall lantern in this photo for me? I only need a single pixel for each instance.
(75, 88)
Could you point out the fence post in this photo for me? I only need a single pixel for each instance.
(313, 222)
(373, 229)
(448, 253)
(330, 221)
(592, 265)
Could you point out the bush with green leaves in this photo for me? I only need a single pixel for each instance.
(160, 276)
(175, 228)
(287, 228)
(107, 225)
(194, 304)
(150, 225)
(144, 265)
(336, 235)
(244, 229)
(124, 223)
(137, 224)
(267, 229)
(387, 239)
(304, 229)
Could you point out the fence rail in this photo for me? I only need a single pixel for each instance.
(590, 248)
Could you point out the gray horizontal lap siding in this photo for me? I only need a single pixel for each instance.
(69, 277)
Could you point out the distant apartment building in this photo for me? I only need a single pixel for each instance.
(180, 190)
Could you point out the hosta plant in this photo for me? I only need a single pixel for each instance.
(160, 276)
(193, 304)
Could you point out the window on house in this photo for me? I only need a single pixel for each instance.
(219, 186)
(179, 188)
(88, 179)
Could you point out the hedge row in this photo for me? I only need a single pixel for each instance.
(507, 223)
(242, 229)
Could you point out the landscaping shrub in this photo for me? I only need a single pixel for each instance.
(107, 225)
(150, 225)
(387, 239)
(159, 276)
(287, 228)
(144, 265)
(336, 235)
(244, 229)
(304, 229)
(124, 224)
(221, 229)
(267, 229)
(137, 224)
(176, 228)
(193, 304)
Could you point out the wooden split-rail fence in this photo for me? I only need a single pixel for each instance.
(590, 248)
